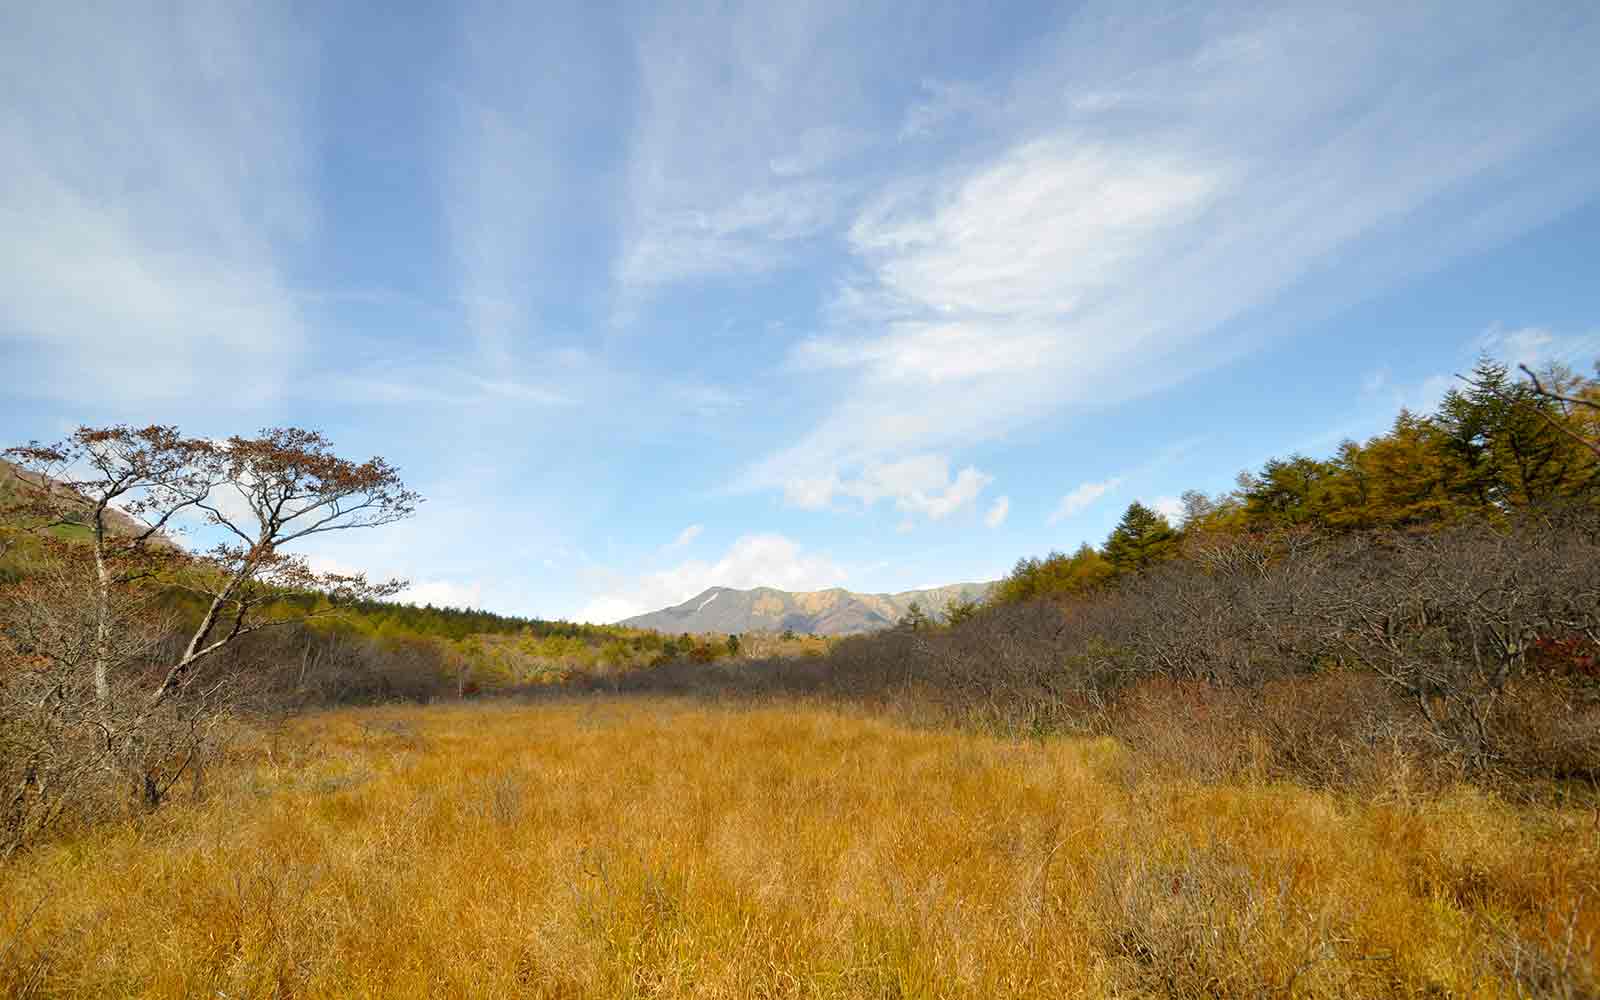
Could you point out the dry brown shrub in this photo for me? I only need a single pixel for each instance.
(1209, 923)
(1187, 729)
(1550, 730)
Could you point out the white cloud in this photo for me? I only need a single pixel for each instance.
(1101, 247)
(498, 177)
(686, 536)
(155, 182)
(814, 149)
(1082, 498)
(1537, 346)
(608, 609)
(744, 118)
(997, 513)
(940, 502)
(1036, 232)
(443, 594)
(436, 384)
(765, 560)
(944, 103)
(921, 484)
(811, 494)
(1170, 508)
(746, 235)
(515, 201)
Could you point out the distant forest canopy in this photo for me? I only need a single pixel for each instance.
(509, 650)
(458, 623)
(1495, 445)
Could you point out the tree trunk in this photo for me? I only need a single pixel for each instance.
(102, 610)
(151, 792)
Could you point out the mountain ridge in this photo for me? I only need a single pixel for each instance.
(834, 611)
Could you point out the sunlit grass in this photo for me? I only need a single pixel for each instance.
(642, 848)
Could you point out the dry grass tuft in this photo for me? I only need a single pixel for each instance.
(654, 848)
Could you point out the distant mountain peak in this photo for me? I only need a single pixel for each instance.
(834, 611)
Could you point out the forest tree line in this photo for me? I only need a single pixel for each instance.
(1494, 446)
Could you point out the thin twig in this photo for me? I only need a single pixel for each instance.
(1539, 389)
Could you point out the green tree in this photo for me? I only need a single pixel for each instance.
(1406, 477)
(733, 645)
(959, 609)
(1142, 538)
(1056, 575)
(1508, 440)
(915, 619)
(1295, 490)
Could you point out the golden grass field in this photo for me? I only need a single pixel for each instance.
(660, 848)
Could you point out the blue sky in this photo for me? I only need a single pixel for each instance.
(649, 298)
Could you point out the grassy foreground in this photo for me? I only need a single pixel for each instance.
(648, 847)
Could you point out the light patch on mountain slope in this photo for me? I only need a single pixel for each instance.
(768, 605)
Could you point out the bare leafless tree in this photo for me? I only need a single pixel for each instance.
(60, 744)
(1451, 617)
(124, 486)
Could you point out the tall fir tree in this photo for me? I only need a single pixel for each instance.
(1142, 538)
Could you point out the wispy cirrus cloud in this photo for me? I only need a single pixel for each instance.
(997, 513)
(1082, 497)
(438, 384)
(747, 119)
(506, 127)
(156, 186)
(1538, 347)
(1149, 191)
(752, 234)
(685, 536)
(918, 485)
(943, 103)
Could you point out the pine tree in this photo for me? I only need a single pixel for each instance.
(1506, 437)
(1142, 538)
(959, 609)
(1053, 576)
(915, 619)
(1295, 490)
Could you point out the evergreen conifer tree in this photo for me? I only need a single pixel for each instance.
(1141, 538)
